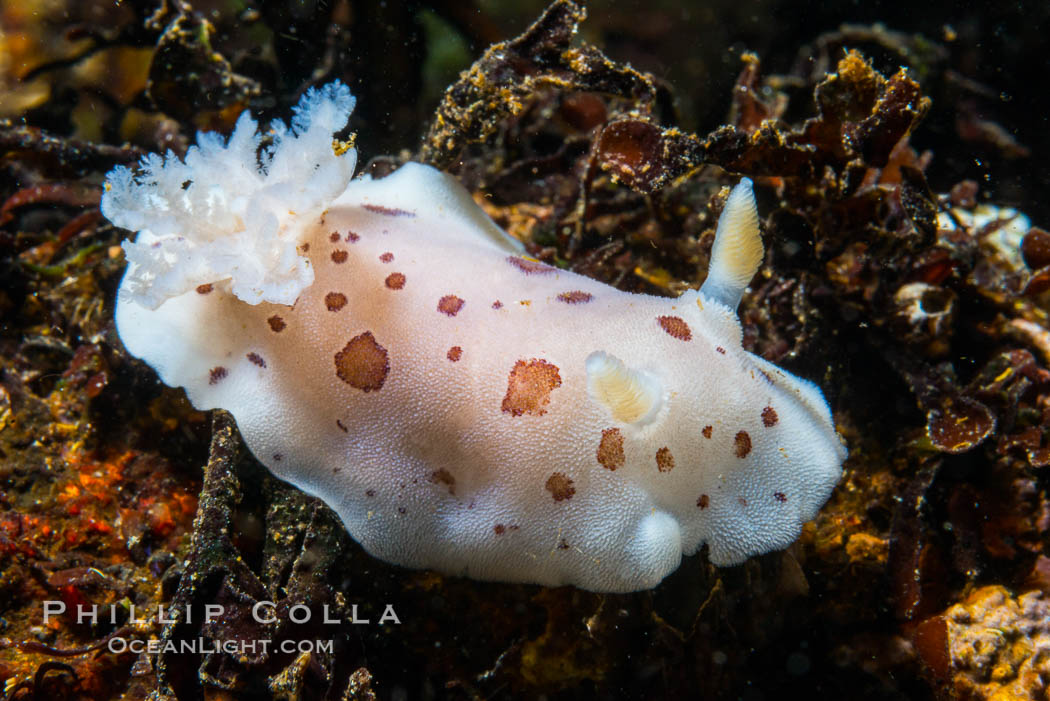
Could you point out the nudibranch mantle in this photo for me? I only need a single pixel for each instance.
(385, 346)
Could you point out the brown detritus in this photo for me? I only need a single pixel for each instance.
(501, 83)
(996, 645)
(1039, 576)
(970, 126)
(955, 421)
(1018, 387)
(964, 194)
(900, 105)
(864, 548)
(1038, 284)
(930, 638)
(958, 424)
(191, 81)
(68, 194)
(862, 118)
(749, 109)
(633, 152)
(1035, 247)
(81, 156)
(918, 202)
(1032, 334)
(916, 563)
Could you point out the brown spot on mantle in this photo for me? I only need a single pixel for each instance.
(560, 486)
(742, 444)
(363, 363)
(769, 417)
(444, 477)
(676, 327)
(334, 301)
(395, 281)
(610, 449)
(575, 297)
(388, 211)
(450, 305)
(664, 460)
(276, 323)
(530, 267)
(529, 387)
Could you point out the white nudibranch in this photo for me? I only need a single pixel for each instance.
(385, 346)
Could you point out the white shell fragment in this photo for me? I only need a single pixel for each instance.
(383, 345)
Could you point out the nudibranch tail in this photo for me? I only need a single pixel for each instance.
(737, 251)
